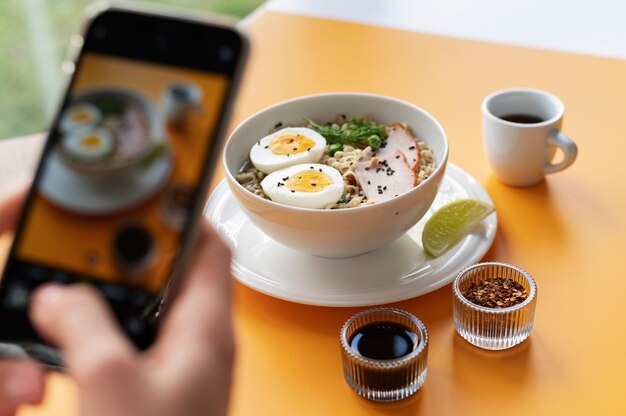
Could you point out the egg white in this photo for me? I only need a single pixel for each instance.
(73, 144)
(266, 161)
(68, 122)
(320, 199)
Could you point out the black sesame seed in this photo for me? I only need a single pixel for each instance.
(279, 124)
(308, 149)
(397, 212)
(293, 192)
(367, 168)
(313, 184)
(295, 148)
(368, 182)
(384, 188)
(285, 178)
(412, 147)
(320, 169)
(398, 157)
(266, 147)
(311, 167)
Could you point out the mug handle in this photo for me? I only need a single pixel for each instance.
(569, 148)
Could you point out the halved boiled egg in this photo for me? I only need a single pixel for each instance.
(88, 144)
(305, 186)
(80, 115)
(287, 147)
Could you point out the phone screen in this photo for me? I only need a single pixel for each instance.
(120, 175)
(126, 159)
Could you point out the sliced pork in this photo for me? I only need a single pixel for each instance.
(400, 138)
(384, 178)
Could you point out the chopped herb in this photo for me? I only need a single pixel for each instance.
(358, 132)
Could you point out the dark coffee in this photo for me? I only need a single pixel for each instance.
(384, 341)
(522, 118)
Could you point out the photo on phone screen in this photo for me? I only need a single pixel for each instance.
(124, 168)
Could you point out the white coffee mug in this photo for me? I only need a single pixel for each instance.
(521, 132)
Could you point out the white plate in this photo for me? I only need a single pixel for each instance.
(398, 271)
(102, 195)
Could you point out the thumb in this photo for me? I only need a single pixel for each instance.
(21, 382)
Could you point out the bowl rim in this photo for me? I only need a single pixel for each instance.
(270, 203)
(532, 296)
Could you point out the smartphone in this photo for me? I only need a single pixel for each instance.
(125, 169)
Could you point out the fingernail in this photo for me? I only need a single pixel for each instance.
(48, 294)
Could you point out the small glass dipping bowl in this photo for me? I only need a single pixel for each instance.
(385, 380)
(493, 328)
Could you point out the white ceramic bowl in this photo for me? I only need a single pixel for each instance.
(345, 232)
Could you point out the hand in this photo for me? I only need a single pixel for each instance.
(186, 372)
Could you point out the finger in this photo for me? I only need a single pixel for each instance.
(200, 316)
(10, 208)
(21, 382)
(78, 321)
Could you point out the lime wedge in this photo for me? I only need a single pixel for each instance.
(451, 222)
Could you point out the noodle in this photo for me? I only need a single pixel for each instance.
(345, 161)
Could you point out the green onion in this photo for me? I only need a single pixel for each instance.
(334, 148)
(374, 141)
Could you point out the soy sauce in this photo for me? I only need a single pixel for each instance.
(384, 341)
(522, 118)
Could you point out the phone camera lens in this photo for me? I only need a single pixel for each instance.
(161, 42)
(99, 32)
(225, 54)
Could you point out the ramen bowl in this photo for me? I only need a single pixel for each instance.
(107, 131)
(337, 233)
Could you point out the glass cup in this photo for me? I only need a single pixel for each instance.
(493, 328)
(380, 379)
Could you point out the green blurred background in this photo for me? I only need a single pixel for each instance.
(34, 41)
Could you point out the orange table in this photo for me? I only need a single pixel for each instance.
(569, 232)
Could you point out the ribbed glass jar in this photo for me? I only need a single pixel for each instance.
(379, 379)
(493, 328)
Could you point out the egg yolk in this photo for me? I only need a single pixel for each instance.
(81, 116)
(289, 144)
(90, 142)
(308, 181)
